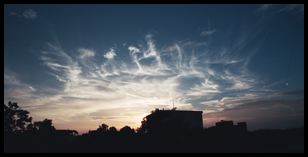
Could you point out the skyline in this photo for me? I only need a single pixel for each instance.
(83, 65)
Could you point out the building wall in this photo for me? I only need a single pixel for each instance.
(171, 121)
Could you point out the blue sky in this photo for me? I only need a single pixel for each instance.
(82, 65)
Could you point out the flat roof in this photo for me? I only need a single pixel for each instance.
(177, 111)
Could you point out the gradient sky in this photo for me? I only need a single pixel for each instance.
(83, 65)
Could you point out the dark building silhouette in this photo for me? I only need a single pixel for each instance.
(228, 127)
(242, 126)
(174, 122)
(224, 124)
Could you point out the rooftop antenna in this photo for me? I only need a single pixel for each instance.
(173, 108)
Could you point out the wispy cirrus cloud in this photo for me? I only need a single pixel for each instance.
(265, 7)
(206, 87)
(99, 90)
(27, 14)
(278, 8)
(208, 32)
(16, 87)
(110, 54)
(85, 53)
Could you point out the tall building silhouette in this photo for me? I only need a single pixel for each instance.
(174, 122)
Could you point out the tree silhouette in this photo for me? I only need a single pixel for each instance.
(44, 126)
(112, 130)
(16, 120)
(103, 128)
(126, 130)
(143, 128)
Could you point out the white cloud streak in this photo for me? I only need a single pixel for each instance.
(208, 32)
(85, 53)
(278, 8)
(27, 14)
(206, 87)
(110, 54)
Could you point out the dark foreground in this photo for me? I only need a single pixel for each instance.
(273, 141)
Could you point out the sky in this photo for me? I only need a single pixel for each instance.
(84, 65)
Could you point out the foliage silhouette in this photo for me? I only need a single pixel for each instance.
(127, 131)
(16, 120)
(44, 126)
(112, 130)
